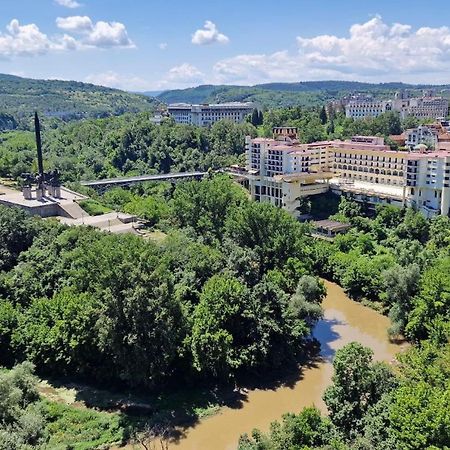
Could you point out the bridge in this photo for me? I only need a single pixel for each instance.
(107, 183)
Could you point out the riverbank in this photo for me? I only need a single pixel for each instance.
(205, 418)
(344, 321)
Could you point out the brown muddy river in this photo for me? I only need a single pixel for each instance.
(344, 321)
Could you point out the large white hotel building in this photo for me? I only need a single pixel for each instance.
(281, 171)
(422, 108)
(207, 114)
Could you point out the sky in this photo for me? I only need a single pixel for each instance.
(153, 45)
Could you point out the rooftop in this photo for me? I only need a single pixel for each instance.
(14, 197)
(331, 225)
(211, 105)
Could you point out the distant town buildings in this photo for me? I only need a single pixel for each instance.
(208, 114)
(426, 107)
(282, 171)
(431, 136)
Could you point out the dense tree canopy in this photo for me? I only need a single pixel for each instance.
(129, 144)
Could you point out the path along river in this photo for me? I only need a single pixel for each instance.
(344, 321)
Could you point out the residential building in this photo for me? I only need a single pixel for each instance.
(208, 114)
(421, 135)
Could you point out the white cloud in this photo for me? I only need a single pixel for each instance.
(113, 79)
(185, 73)
(209, 34)
(375, 48)
(99, 34)
(163, 46)
(75, 24)
(28, 40)
(372, 51)
(109, 34)
(68, 3)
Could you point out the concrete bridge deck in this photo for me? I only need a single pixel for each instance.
(127, 181)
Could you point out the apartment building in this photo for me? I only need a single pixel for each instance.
(208, 114)
(425, 135)
(282, 171)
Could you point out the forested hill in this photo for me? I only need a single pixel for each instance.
(305, 93)
(20, 97)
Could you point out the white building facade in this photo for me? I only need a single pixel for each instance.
(359, 109)
(421, 135)
(207, 114)
(281, 171)
(421, 108)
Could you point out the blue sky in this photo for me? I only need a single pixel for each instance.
(155, 44)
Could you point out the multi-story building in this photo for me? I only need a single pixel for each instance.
(426, 107)
(428, 182)
(367, 158)
(207, 114)
(359, 109)
(282, 171)
(421, 135)
(422, 108)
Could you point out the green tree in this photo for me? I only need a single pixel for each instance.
(9, 317)
(414, 227)
(204, 205)
(400, 286)
(22, 424)
(323, 115)
(296, 431)
(357, 384)
(431, 307)
(271, 232)
(16, 235)
(219, 332)
(58, 334)
(255, 118)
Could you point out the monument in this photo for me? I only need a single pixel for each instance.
(47, 183)
(41, 193)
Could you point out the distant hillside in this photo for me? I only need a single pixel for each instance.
(270, 95)
(68, 100)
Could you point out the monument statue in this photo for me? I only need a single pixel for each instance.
(43, 181)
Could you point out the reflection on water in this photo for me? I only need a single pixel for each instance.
(344, 321)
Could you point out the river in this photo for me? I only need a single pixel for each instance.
(344, 321)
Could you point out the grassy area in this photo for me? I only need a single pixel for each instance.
(85, 416)
(155, 235)
(93, 207)
(80, 428)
